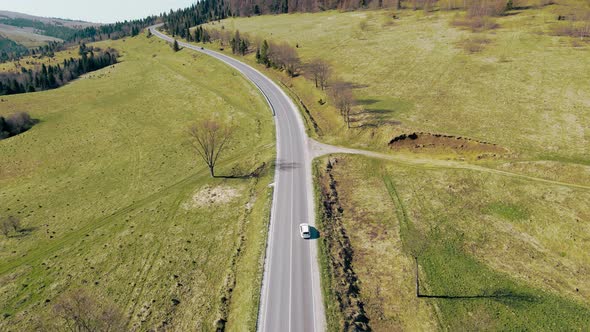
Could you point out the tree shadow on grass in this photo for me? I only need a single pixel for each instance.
(25, 231)
(367, 101)
(254, 174)
(498, 295)
(373, 118)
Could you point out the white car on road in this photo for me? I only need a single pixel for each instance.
(305, 231)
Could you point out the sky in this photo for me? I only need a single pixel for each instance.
(97, 11)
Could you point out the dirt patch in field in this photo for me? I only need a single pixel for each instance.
(208, 195)
(428, 142)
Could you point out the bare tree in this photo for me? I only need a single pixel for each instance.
(284, 56)
(79, 311)
(5, 226)
(481, 8)
(343, 99)
(209, 139)
(9, 223)
(320, 71)
(14, 223)
(291, 60)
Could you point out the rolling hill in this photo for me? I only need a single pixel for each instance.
(33, 31)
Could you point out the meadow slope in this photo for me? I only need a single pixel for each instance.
(526, 90)
(113, 200)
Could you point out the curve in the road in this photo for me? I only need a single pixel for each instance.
(290, 297)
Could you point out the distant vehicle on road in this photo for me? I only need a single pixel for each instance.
(304, 231)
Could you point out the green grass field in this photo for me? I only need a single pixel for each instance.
(491, 258)
(113, 199)
(526, 90)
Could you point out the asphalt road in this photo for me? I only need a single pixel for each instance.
(291, 297)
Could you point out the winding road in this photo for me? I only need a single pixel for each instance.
(291, 296)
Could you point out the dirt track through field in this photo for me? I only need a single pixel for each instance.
(319, 149)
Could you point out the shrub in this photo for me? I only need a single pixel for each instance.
(15, 124)
(78, 310)
(476, 23)
(481, 8)
(474, 44)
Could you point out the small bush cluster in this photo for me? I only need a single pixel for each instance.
(474, 44)
(480, 14)
(9, 224)
(78, 310)
(15, 124)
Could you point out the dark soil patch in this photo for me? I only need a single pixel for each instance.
(428, 142)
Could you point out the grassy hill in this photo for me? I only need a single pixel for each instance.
(76, 24)
(523, 89)
(27, 37)
(113, 200)
(34, 31)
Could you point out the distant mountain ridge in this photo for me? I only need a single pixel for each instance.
(74, 24)
(31, 31)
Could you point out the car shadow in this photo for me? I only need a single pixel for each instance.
(314, 233)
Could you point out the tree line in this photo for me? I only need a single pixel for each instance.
(112, 31)
(16, 51)
(53, 76)
(10, 50)
(284, 57)
(178, 22)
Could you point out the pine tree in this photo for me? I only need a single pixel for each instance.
(264, 54)
(243, 47)
(236, 43)
(175, 46)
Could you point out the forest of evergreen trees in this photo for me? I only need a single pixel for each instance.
(178, 22)
(50, 77)
(112, 31)
(10, 50)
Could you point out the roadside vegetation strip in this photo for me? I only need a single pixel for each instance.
(125, 187)
(331, 304)
(245, 304)
(226, 297)
(457, 229)
(339, 257)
